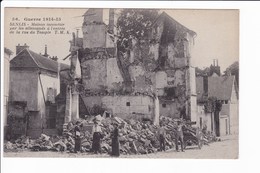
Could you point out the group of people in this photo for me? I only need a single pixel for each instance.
(178, 136)
(97, 137)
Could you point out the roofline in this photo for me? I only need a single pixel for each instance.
(32, 57)
(29, 54)
(233, 83)
(194, 34)
(40, 67)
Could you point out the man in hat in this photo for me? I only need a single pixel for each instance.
(179, 136)
(162, 134)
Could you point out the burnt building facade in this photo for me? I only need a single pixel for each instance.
(157, 68)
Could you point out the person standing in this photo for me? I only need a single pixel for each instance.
(162, 135)
(77, 138)
(179, 136)
(199, 137)
(96, 145)
(115, 142)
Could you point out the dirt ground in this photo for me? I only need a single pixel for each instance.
(227, 148)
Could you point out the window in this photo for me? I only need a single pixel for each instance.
(226, 102)
(200, 122)
(51, 94)
(127, 103)
(164, 105)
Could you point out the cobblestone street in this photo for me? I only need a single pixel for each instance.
(225, 149)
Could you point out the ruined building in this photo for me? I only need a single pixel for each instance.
(171, 46)
(102, 77)
(156, 77)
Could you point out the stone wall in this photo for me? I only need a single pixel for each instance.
(94, 35)
(125, 106)
(94, 73)
(24, 87)
(113, 76)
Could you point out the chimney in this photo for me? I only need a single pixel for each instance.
(215, 68)
(19, 48)
(45, 52)
(111, 20)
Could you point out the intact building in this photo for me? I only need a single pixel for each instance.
(225, 90)
(34, 84)
(7, 56)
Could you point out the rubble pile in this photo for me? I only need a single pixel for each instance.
(135, 137)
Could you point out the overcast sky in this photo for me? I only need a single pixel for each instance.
(217, 33)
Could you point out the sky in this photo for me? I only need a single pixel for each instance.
(217, 33)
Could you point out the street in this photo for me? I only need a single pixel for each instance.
(227, 148)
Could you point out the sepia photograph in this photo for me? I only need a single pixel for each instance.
(121, 83)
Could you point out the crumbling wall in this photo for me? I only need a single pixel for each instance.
(94, 73)
(154, 51)
(125, 106)
(160, 82)
(113, 73)
(153, 65)
(109, 41)
(141, 78)
(93, 15)
(170, 47)
(94, 35)
(169, 109)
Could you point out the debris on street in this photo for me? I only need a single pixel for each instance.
(135, 137)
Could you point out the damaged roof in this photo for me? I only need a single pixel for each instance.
(29, 59)
(164, 16)
(218, 86)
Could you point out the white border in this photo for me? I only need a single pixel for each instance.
(249, 99)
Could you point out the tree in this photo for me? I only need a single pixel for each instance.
(233, 69)
(212, 105)
(134, 23)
